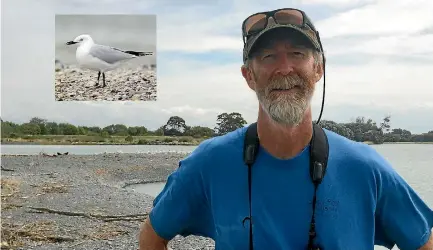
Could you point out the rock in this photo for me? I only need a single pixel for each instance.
(75, 84)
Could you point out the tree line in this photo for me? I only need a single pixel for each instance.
(361, 129)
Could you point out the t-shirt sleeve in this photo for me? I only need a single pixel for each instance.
(181, 207)
(402, 217)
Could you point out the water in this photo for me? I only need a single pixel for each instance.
(152, 189)
(90, 149)
(412, 161)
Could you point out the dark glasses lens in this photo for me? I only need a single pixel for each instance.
(289, 17)
(255, 23)
(258, 22)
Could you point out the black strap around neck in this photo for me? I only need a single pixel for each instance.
(319, 153)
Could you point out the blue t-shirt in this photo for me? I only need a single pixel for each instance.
(361, 202)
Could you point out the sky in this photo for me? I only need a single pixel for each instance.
(133, 32)
(379, 60)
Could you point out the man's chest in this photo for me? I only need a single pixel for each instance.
(282, 208)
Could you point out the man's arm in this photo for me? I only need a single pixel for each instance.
(402, 217)
(149, 239)
(429, 244)
(181, 207)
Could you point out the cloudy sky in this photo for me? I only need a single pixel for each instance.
(379, 54)
(132, 32)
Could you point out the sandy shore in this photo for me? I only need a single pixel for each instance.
(79, 202)
(123, 84)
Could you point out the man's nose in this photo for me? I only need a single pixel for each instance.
(284, 65)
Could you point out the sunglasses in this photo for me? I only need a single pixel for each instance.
(258, 21)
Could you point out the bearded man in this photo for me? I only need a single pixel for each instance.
(361, 200)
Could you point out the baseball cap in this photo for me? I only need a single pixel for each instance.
(257, 25)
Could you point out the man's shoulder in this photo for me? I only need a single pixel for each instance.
(219, 146)
(359, 153)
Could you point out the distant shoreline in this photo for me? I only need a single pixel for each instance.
(99, 140)
(99, 144)
(120, 141)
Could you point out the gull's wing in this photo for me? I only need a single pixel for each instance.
(109, 54)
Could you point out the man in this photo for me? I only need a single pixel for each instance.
(361, 201)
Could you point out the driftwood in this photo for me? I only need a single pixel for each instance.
(6, 169)
(12, 236)
(106, 218)
(36, 237)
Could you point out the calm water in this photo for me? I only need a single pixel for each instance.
(91, 149)
(152, 189)
(412, 161)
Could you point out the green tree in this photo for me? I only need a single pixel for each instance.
(52, 128)
(41, 123)
(116, 129)
(340, 129)
(30, 129)
(401, 135)
(229, 122)
(9, 128)
(136, 131)
(68, 129)
(175, 126)
(384, 125)
(81, 130)
(199, 132)
(94, 130)
(159, 131)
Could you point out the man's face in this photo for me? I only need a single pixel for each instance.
(283, 75)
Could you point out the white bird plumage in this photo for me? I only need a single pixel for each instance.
(101, 58)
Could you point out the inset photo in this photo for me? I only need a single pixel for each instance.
(105, 58)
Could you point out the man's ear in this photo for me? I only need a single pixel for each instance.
(319, 71)
(249, 77)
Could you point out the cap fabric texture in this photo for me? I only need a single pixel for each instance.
(310, 34)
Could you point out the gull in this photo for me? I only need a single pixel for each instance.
(101, 58)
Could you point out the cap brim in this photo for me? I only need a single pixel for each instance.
(253, 41)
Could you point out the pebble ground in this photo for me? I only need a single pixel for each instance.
(89, 184)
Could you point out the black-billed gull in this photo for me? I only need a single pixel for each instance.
(101, 58)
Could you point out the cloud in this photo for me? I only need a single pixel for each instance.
(377, 64)
(385, 17)
(186, 109)
(410, 45)
(379, 83)
(337, 3)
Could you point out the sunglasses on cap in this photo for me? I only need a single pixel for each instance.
(259, 21)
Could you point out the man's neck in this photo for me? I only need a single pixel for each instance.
(281, 141)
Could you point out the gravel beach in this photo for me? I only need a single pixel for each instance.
(79, 201)
(122, 84)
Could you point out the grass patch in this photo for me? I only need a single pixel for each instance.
(106, 232)
(54, 187)
(43, 231)
(9, 189)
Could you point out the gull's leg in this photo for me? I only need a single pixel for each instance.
(99, 74)
(103, 79)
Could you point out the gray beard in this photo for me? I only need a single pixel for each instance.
(286, 109)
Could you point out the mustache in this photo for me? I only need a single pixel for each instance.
(284, 83)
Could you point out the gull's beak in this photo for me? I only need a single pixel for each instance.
(70, 42)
